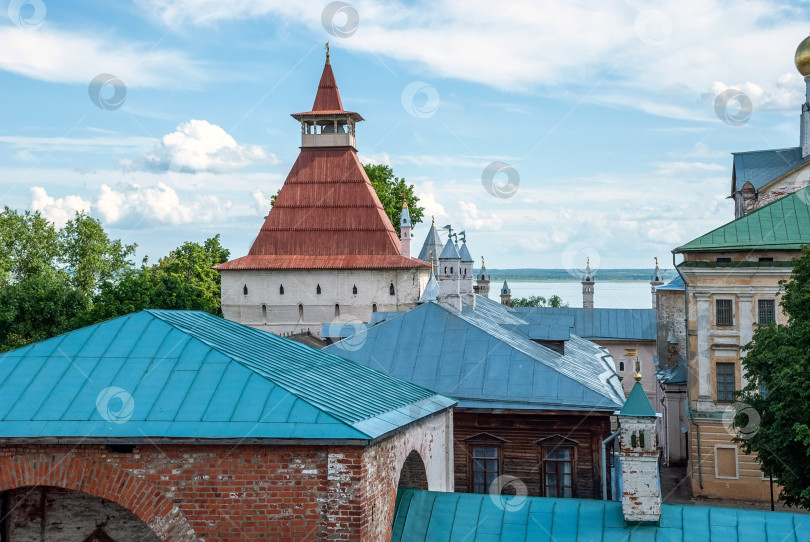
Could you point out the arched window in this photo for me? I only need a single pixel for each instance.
(391, 289)
(621, 366)
(354, 289)
(281, 290)
(445, 269)
(300, 312)
(318, 289)
(451, 270)
(264, 313)
(337, 310)
(374, 307)
(244, 289)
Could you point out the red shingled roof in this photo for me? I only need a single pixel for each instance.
(327, 216)
(328, 97)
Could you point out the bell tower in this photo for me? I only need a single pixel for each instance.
(405, 229)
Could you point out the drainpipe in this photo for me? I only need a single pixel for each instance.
(689, 380)
(604, 462)
(666, 430)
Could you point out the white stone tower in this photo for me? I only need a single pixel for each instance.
(641, 493)
(405, 229)
(449, 276)
(466, 279)
(587, 287)
(506, 294)
(655, 282)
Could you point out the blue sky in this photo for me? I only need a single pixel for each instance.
(606, 111)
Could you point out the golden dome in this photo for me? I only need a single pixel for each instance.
(802, 57)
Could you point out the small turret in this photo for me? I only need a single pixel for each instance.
(433, 243)
(431, 292)
(405, 229)
(587, 287)
(482, 280)
(449, 276)
(466, 288)
(641, 493)
(655, 282)
(506, 294)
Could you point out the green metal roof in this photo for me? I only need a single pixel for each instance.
(637, 403)
(188, 374)
(783, 224)
(423, 516)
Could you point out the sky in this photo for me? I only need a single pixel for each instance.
(549, 131)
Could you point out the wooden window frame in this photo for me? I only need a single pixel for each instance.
(772, 300)
(471, 463)
(717, 322)
(544, 449)
(717, 380)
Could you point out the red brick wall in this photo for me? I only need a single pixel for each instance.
(246, 492)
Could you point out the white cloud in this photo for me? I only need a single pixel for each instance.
(261, 202)
(475, 219)
(615, 52)
(129, 204)
(57, 210)
(66, 57)
(426, 192)
(199, 146)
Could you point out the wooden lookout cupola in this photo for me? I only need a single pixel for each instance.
(327, 124)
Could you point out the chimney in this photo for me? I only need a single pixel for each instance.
(641, 489)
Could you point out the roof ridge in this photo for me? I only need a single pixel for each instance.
(296, 347)
(756, 214)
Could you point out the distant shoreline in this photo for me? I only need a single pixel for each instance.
(563, 275)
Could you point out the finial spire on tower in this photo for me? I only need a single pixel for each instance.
(404, 201)
(327, 52)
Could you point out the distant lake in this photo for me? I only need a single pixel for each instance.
(616, 294)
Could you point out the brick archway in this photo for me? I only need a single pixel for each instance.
(413, 473)
(102, 480)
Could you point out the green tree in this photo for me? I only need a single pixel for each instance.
(390, 190)
(776, 424)
(539, 301)
(182, 280)
(37, 308)
(28, 245)
(89, 255)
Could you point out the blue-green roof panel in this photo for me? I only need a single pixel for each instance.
(193, 375)
(473, 517)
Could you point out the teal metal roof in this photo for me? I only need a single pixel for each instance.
(341, 330)
(674, 284)
(477, 358)
(425, 516)
(188, 374)
(782, 224)
(762, 167)
(601, 324)
(637, 403)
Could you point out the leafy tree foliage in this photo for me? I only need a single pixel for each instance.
(776, 424)
(53, 281)
(539, 301)
(391, 190)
